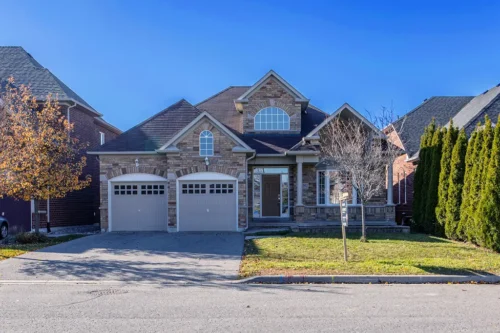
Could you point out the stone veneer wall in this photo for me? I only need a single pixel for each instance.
(272, 94)
(376, 210)
(173, 166)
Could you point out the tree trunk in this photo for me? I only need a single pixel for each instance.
(37, 216)
(363, 227)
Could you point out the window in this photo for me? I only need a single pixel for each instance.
(125, 189)
(102, 137)
(402, 187)
(206, 143)
(329, 186)
(271, 119)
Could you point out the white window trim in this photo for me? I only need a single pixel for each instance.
(102, 138)
(272, 130)
(327, 190)
(213, 143)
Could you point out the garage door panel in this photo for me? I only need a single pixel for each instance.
(139, 206)
(207, 206)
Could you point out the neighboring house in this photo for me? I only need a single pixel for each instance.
(77, 208)
(466, 112)
(247, 155)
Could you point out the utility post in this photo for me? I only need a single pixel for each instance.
(344, 218)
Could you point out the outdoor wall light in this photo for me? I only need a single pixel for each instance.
(137, 162)
(207, 162)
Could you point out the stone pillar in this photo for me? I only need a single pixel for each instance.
(390, 200)
(299, 183)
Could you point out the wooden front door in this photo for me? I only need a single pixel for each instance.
(271, 195)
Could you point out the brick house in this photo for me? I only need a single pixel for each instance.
(465, 111)
(247, 156)
(77, 208)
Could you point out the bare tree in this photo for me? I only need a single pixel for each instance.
(360, 150)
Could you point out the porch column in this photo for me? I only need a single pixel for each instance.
(299, 183)
(390, 201)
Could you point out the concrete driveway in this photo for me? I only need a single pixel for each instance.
(133, 257)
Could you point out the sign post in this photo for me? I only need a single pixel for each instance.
(344, 218)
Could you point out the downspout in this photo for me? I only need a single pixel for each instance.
(246, 179)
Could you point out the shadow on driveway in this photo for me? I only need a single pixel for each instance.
(151, 257)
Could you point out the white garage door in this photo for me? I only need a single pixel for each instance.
(139, 206)
(207, 206)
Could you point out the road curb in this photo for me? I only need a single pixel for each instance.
(370, 279)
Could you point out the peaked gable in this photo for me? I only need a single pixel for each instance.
(344, 108)
(299, 98)
(170, 144)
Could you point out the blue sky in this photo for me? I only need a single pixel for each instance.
(131, 59)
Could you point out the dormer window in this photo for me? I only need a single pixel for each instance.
(272, 119)
(206, 143)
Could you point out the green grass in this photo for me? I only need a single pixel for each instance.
(12, 250)
(394, 254)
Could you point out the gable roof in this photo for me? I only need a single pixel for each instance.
(16, 62)
(222, 107)
(344, 107)
(152, 133)
(411, 126)
(193, 123)
(298, 96)
(480, 106)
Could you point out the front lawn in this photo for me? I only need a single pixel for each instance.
(394, 254)
(13, 250)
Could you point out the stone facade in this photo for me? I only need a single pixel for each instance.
(272, 93)
(176, 165)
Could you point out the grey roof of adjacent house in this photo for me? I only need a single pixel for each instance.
(411, 126)
(16, 62)
(488, 103)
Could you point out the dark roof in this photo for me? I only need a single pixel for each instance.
(492, 110)
(154, 132)
(411, 126)
(16, 62)
(222, 107)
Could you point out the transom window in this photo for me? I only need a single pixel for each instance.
(206, 143)
(271, 119)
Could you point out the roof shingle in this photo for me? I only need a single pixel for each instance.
(411, 126)
(16, 62)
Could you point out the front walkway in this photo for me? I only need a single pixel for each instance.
(133, 257)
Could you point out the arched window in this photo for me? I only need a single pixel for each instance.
(206, 143)
(271, 119)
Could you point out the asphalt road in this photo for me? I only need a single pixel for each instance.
(249, 308)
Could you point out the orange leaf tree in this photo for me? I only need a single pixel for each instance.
(39, 159)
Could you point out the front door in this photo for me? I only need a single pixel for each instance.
(271, 195)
